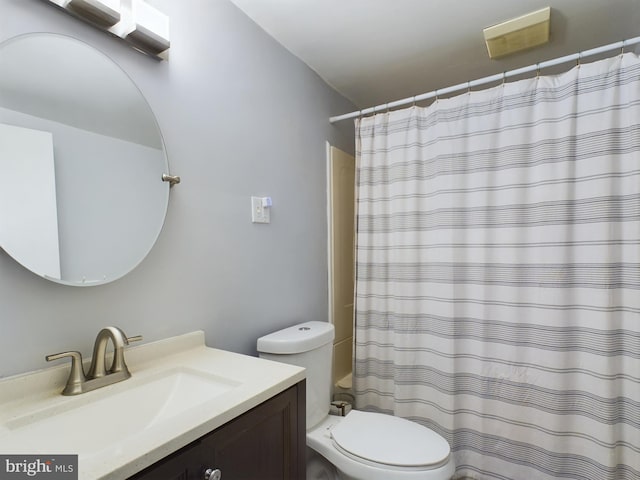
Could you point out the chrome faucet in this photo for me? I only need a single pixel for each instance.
(98, 375)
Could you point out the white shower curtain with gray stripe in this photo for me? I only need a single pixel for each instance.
(498, 273)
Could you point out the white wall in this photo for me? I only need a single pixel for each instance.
(240, 116)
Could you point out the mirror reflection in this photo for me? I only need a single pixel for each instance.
(82, 199)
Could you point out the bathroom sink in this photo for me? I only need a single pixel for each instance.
(89, 423)
(179, 391)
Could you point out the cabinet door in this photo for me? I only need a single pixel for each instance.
(266, 443)
(182, 465)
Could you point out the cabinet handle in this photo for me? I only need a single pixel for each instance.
(212, 474)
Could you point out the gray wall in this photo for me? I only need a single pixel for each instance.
(240, 116)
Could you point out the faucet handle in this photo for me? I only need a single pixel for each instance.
(76, 375)
(57, 356)
(136, 338)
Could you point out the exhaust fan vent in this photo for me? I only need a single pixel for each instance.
(518, 34)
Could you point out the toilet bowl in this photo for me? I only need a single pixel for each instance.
(374, 446)
(360, 445)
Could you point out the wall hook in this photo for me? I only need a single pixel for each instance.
(172, 179)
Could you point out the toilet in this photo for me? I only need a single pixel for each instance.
(360, 445)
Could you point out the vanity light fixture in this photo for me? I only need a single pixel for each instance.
(135, 21)
(150, 28)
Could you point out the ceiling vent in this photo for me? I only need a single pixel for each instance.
(518, 34)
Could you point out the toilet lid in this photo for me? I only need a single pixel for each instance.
(389, 440)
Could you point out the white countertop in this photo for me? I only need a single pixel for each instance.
(34, 399)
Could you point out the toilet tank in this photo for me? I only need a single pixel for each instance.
(308, 345)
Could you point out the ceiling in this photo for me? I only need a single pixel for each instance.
(377, 51)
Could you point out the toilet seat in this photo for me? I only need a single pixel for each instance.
(375, 438)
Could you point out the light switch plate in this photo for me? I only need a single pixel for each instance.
(259, 213)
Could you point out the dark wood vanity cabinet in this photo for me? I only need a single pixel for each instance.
(266, 443)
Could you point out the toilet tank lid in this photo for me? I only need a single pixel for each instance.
(297, 339)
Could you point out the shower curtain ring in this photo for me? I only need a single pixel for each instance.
(413, 104)
(578, 61)
(622, 49)
(504, 78)
(537, 71)
(436, 91)
(469, 88)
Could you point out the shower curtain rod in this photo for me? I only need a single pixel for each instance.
(492, 78)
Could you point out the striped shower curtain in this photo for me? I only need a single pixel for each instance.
(498, 273)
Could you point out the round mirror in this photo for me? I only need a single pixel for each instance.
(82, 199)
